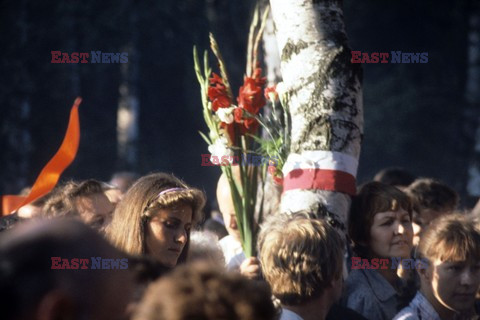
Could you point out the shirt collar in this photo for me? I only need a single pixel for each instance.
(426, 309)
(382, 289)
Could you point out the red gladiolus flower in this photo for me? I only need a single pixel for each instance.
(248, 124)
(273, 90)
(259, 81)
(238, 115)
(250, 96)
(216, 79)
(218, 94)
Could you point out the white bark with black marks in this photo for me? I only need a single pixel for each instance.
(324, 93)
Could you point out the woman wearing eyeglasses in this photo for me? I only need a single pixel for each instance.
(155, 218)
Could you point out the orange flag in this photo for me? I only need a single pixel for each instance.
(50, 174)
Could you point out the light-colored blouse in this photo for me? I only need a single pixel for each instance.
(371, 295)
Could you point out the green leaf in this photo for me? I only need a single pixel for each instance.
(207, 140)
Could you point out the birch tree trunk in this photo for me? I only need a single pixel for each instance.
(323, 91)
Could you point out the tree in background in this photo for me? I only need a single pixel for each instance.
(324, 94)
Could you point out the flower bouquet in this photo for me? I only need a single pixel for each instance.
(233, 128)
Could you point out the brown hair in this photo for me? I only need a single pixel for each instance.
(300, 256)
(142, 200)
(61, 202)
(201, 292)
(433, 194)
(453, 237)
(372, 198)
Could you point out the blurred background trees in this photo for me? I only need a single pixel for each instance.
(416, 115)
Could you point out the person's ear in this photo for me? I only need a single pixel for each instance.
(424, 271)
(55, 305)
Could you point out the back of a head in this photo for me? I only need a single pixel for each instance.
(394, 176)
(124, 180)
(204, 246)
(201, 292)
(27, 276)
(300, 256)
(433, 194)
(62, 200)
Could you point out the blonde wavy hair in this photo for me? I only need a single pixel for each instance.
(300, 256)
(141, 202)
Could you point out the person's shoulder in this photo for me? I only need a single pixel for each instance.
(406, 313)
(361, 299)
(357, 283)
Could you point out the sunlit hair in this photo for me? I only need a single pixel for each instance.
(202, 292)
(453, 237)
(433, 194)
(300, 256)
(142, 201)
(372, 198)
(62, 201)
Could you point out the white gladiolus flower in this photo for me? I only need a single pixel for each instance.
(226, 114)
(281, 88)
(220, 151)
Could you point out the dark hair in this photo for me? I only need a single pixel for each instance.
(394, 177)
(200, 291)
(26, 273)
(9, 221)
(433, 194)
(372, 198)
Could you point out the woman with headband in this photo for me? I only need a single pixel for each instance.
(155, 218)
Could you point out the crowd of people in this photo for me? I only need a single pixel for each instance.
(145, 248)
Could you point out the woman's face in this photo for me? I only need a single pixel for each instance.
(391, 234)
(167, 233)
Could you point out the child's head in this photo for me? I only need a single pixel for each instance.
(451, 246)
(432, 199)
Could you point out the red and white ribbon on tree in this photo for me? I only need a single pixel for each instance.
(322, 170)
